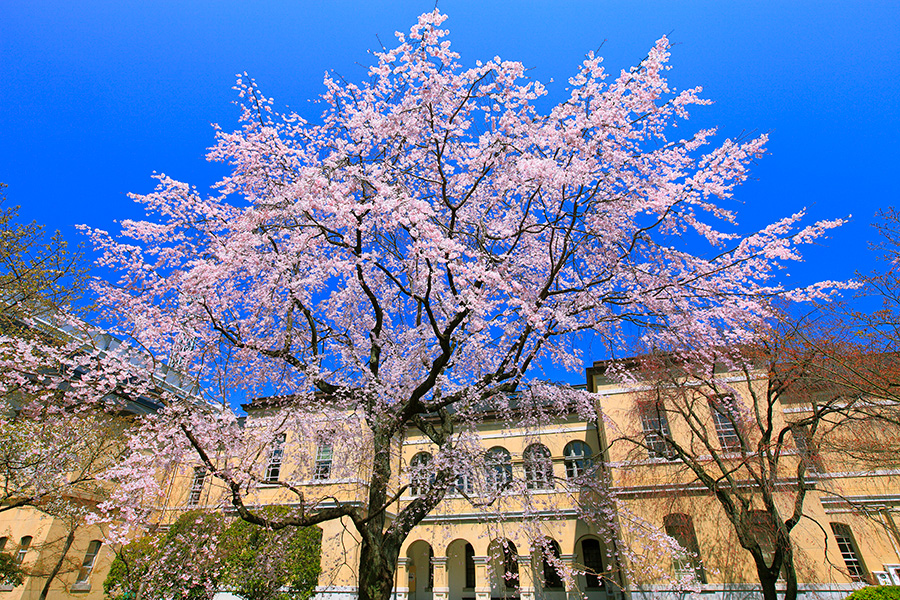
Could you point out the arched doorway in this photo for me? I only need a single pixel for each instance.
(421, 570)
(461, 570)
(590, 560)
(504, 569)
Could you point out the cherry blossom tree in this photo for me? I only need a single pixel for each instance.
(58, 375)
(419, 251)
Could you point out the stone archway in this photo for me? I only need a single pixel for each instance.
(461, 572)
(503, 567)
(420, 571)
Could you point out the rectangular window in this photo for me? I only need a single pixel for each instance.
(655, 426)
(24, 544)
(850, 553)
(686, 562)
(725, 419)
(87, 565)
(324, 455)
(806, 448)
(2, 543)
(196, 486)
(276, 456)
(464, 484)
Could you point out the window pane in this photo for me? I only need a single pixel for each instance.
(538, 468)
(849, 551)
(593, 562)
(724, 419)
(577, 459)
(87, 564)
(419, 476)
(276, 456)
(680, 527)
(323, 461)
(24, 544)
(196, 486)
(655, 427)
(806, 449)
(498, 465)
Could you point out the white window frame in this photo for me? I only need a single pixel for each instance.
(577, 464)
(538, 469)
(853, 560)
(655, 427)
(23, 549)
(726, 428)
(324, 461)
(196, 491)
(87, 565)
(276, 459)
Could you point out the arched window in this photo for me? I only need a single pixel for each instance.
(419, 478)
(538, 467)
(464, 481)
(592, 556)
(577, 458)
(498, 469)
(550, 558)
(687, 561)
(470, 566)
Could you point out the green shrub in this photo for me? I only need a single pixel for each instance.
(10, 573)
(876, 592)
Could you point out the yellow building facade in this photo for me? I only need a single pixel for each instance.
(42, 544)
(520, 525)
(848, 534)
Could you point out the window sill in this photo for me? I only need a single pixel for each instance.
(80, 587)
(6, 588)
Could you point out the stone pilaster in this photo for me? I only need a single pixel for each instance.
(441, 589)
(402, 589)
(482, 578)
(526, 578)
(568, 576)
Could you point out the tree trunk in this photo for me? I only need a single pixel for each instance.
(62, 559)
(377, 565)
(768, 578)
(378, 554)
(767, 581)
(790, 576)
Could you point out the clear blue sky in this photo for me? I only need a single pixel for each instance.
(96, 95)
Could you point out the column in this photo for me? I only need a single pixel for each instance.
(441, 589)
(568, 576)
(482, 578)
(402, 590)
(526, 578)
